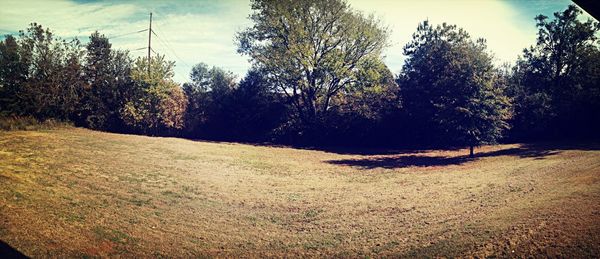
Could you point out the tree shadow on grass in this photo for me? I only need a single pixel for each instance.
(340, 150)
(6, 251)
(401, 160)
(525, 151)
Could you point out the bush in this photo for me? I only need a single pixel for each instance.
(30, 123)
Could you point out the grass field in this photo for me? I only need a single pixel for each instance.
(76, 192)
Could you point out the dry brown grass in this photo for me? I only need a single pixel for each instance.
(76, 192)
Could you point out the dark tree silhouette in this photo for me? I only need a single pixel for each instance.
(449, 88)
(556, 83)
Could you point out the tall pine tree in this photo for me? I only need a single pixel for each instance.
(450, 89)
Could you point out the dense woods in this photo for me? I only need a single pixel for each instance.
(555, 84)
(318, 78)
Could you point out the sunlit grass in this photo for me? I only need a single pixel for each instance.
(76, 192)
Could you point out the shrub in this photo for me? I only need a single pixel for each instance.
(9, 123)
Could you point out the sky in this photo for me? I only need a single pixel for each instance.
(189, 32)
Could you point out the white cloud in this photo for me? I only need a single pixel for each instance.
(65, 18)
(187, 36)
(198, 38)
(496, 21)
(203, 31)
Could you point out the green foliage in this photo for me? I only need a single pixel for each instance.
(220, 108)
(451, 90)
(29, 123)
(158, 103)
(311, 50)
(108, 84)
(256, 109)
(47, 76)
(363, 112)
(317, 78)
(13, 73)
(374, 93)
(208, 94)
(556, 82)
(97, 87)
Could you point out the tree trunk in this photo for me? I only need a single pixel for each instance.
(471, 153)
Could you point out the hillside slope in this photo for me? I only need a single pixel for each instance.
(76, 192)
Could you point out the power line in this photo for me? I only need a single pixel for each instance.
(108, 37)
(162, 40)
(149, 42)
(174, 54)
(125, 34)
(169, 47)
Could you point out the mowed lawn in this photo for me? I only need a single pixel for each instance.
(77, 192)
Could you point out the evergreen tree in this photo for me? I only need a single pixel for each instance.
(13, 74)
(450, 89)
(108, 84)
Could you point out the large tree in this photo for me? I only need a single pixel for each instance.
(364, 111)
(311, 50)
(158, 104)
(208, 94)
(13, 73)
(255, 109)
(220, 108)
(556, 82)
(53, 74)
(450, 89)
(108, 84)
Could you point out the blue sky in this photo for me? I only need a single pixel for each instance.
(203, 30)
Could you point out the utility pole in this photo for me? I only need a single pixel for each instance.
(149, 42)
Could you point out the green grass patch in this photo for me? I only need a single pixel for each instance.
(112, 235)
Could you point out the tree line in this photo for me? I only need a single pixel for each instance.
(318, 78)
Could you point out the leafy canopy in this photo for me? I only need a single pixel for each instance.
(555, 83)
(310, 50)
(450, 88)
(159, 103)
